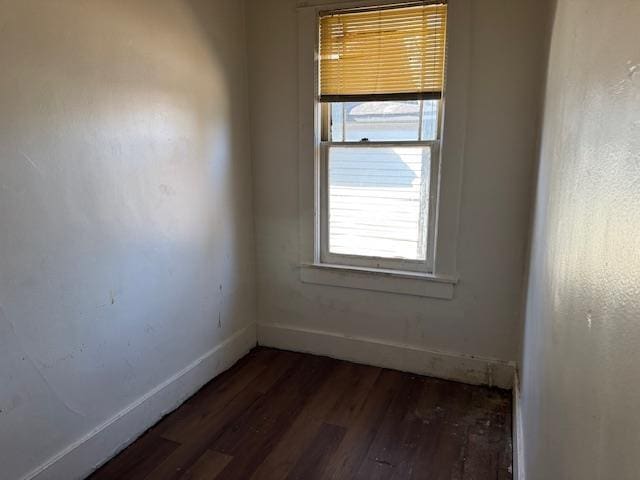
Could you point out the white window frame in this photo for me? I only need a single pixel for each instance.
(366, 261)
(437, 276)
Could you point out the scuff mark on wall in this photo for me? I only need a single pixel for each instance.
(33, 164)
(26, 355)
(630, 79)
(112, 299)
(14, 403)
(634, 69)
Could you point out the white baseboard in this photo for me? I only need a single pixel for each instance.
(79, 459)
(397, 356)
(518, 439)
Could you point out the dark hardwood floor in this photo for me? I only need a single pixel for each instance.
(278, 414)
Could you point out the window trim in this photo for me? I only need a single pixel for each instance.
(452, 143)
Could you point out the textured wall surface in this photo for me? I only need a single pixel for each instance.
(580, 388)
(126, 244)
(485, 316)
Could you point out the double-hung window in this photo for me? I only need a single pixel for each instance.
(380, 98)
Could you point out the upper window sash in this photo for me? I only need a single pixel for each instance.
(380, 122)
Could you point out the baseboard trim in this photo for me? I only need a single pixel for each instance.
(518, 433)
(409, 358)
(83, 456)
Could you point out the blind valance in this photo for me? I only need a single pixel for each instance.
(388, 53)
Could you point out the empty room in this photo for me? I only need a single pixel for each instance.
(319, 239)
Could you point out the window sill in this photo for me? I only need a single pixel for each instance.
(390, 281)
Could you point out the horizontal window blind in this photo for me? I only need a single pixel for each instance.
(389, 53)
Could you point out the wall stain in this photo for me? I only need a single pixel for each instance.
(166, 190)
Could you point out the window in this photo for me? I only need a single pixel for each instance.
(381, 74)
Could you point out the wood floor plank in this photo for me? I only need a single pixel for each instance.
(313, 461)
(277, 415)
(188, 453)
(258, 432)
(448, 443)
(221, 412)
(390, 444)
(361, 379)
(423, 432)
(180, 425)
(136, 461)
(282, 400)
(279, 366)
(364, 426)
(488, 454)
(320, 407)
(207, 467)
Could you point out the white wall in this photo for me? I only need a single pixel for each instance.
(484, 319)
(580, 388)
(126, 244)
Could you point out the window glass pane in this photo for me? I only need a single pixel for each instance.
(430, 119)
(381, 121)
(378, 199)
(336, 122)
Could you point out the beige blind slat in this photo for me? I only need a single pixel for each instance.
(393, 52)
